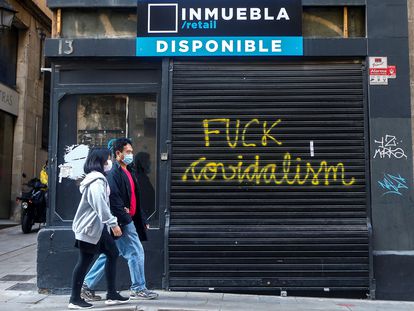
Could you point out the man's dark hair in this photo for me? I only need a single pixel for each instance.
(119, 144)
(96, 160)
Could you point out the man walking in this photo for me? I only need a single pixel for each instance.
(125, 205)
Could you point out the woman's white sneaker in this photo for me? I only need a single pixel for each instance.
(115, 299)
(79, 305)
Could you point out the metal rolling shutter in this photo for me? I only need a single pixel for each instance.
(241, 235)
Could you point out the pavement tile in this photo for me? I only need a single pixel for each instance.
(270, 299)
(236, 298)
(172, 295)
(17, 277)
(23, 287)
(5, 285)
(8, 296)
(28, 297)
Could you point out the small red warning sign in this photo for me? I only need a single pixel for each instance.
(392, 72)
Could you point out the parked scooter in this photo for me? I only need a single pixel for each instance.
(33, 204)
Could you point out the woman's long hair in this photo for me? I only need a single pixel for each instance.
(96, 160)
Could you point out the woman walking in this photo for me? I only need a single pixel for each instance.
(90, 226)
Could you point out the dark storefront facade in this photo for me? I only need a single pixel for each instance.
(283, 170)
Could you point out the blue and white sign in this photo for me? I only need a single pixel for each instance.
(219, 46)
(219, 28)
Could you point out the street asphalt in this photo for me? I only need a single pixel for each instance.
(18, 290)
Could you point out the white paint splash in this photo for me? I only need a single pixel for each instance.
(75, 157)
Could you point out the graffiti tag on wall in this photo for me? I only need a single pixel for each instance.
(393, 184)
(388, 148)
(292, 171)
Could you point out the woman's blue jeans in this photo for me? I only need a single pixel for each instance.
(131, 249)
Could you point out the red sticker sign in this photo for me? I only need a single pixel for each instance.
(392, 72)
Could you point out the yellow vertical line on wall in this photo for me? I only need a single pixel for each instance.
(346, 32)
(54, 24)
(59, 22)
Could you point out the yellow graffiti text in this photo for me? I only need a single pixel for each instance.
(289, 173)
(233, 139)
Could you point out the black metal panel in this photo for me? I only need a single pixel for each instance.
(133, 3)
(87, 47)
(8, 56)
(333, 2)
(54, 4)
(237, 229)
(125, 47)
(350, 47)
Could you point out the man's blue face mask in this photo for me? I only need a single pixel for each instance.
(128, 159)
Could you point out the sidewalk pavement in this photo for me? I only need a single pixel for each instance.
(18, 290)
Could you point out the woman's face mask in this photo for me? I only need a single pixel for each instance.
(108, 166)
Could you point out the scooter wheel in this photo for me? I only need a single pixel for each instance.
(27, 223)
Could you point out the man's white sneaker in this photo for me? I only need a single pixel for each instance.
(144, 294)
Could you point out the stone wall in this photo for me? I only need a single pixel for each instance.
(28, 156)
(43, 6)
